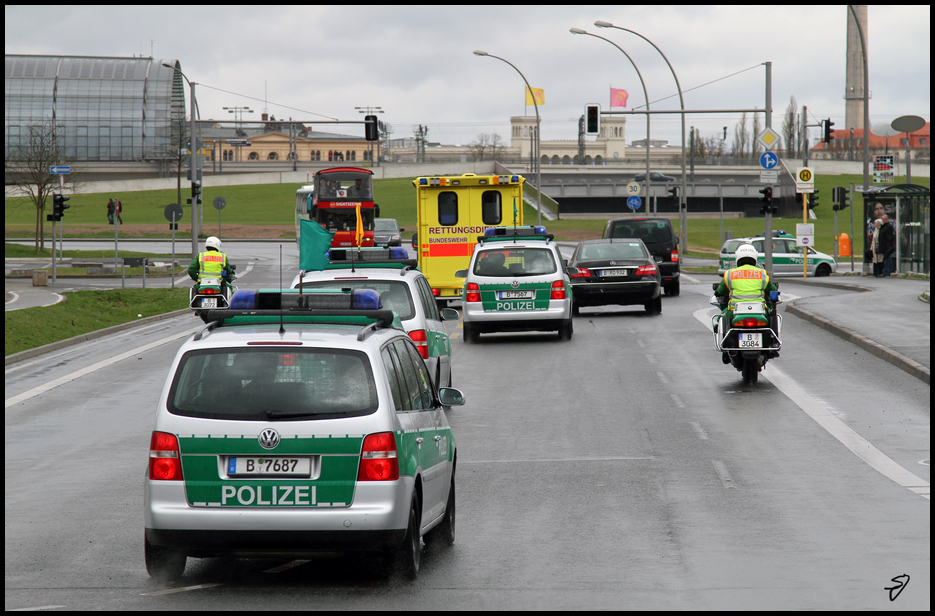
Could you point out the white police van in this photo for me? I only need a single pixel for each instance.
(299, 423)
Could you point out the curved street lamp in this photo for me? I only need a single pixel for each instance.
(538, 139)
(645, 95)
(682, 200)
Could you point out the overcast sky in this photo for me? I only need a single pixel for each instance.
(417, 62)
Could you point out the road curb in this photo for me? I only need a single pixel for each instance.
(874, 348)
(54, 346)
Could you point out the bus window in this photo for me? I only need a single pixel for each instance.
(447, 208)
(491, 208)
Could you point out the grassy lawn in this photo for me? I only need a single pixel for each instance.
(83, 312)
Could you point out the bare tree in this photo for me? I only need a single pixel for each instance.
(740, 137)
(27, 168)
(790, 129)
(487, 146)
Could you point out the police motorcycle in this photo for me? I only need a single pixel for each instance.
(211, 294)
(754, 335)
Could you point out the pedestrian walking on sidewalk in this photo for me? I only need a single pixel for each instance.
(110, 211)
(118, 208)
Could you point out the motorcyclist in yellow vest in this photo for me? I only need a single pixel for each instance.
(745, 282)
(211, 262)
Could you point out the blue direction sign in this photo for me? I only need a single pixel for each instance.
(768, 160)
(59, 170)
(634, 203)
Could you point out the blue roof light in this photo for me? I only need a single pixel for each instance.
(365, 299)
(244, 299)
(423, 181)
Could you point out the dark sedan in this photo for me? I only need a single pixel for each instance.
(654, 176)
(614, 271)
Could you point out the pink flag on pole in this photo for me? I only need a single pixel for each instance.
(618, 98)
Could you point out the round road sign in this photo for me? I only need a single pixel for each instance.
(219, 203)
(634, 203)
(633, 188)
(173, 210)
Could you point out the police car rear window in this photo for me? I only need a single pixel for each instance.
(394, 295)
(515, 262)
(251, 384)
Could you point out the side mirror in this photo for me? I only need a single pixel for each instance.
(450, 314)
(449, 396)
(415, 241)
(676, 240)
(461, 273)
(715, 285)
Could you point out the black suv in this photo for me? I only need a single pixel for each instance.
(659, 238)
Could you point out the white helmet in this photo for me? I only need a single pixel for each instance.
(213, 242)
(745, 251)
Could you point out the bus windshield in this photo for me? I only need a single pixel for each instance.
(343, 218)
(340, 185)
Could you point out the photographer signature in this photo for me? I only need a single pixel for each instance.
(901, 582)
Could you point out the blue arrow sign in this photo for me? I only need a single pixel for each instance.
(634, 203)
(59, 170)
(768, 160)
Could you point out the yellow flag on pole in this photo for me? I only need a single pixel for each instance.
(359, 236)
(538, 93)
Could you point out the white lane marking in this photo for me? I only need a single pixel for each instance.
(822, 415)
(721, 469)
(60, 299)
(14, 298)
(37, 608)
(663, 377)
(689, 278)
(678, 401)
(702, 434)
(35, 391)
(170, 591)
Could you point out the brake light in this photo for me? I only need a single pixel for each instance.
(753, 322)
(207, 291)
(646, 270)
(674, 257)
(472, 292)
(164, 461)
(422, 342)
(558, 290)
(378, 461)
(583, 272)
(436, 292)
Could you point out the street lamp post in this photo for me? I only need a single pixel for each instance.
(682, 197)
(367, 109)
(193, 161)
(645, 95)
(538, 138)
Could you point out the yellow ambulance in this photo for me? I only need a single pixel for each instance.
(452, 211)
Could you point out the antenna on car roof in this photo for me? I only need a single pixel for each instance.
(282, 330)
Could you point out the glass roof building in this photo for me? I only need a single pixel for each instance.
(110, 109)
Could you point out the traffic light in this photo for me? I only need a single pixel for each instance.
(842, 198)
(196, 193)
(767, 200)
(370, 128)
(828, 136)
(674, 191)
(59, 206)
(813, 200)
(592, 119)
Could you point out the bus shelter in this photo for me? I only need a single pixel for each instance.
(907, 206)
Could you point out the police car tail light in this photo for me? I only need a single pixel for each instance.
(646, 270)
(472, 292)
(422, 342)
(378, 461)
(583, 272)
(164, 461)
(674, 256)
(558, 290)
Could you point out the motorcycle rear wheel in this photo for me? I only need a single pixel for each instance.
(750, 371)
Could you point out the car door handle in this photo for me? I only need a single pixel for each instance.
(419, 440)
(437, 438)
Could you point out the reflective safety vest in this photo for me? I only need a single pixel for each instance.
(211, 263)
(747, 282)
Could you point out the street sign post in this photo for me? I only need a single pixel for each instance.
(173, 215)
(768, 160)
(634, 203)
(219, 203)
(633, 189)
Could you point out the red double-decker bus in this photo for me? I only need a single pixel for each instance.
(337, 194)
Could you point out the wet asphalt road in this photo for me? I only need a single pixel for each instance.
(625, 469)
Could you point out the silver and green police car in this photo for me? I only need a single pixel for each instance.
(516, 281)
(787, 257)
(294, 429)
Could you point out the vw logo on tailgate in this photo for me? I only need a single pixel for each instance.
(269, 438)
(514, 283)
